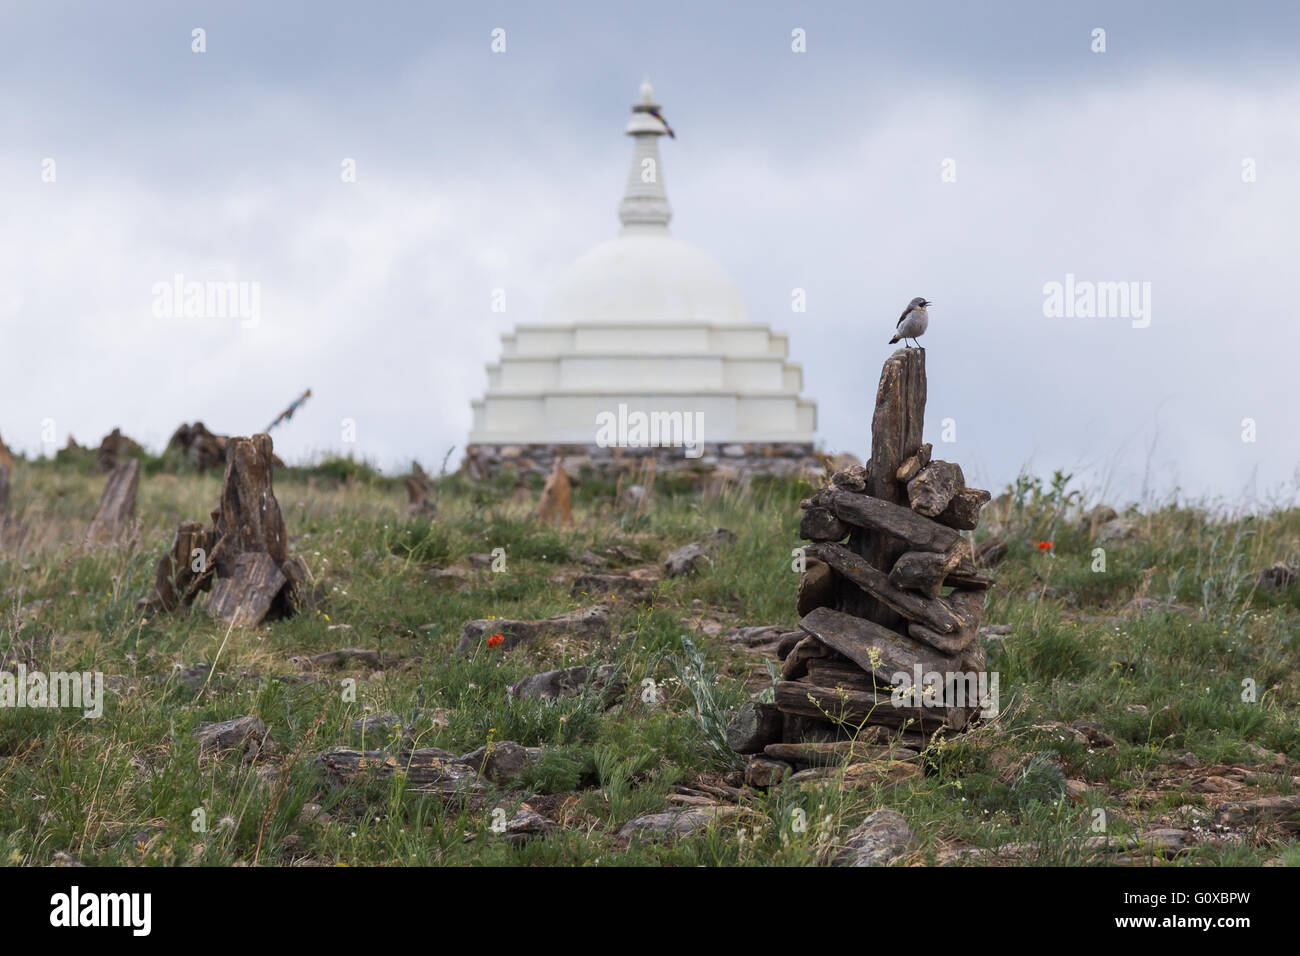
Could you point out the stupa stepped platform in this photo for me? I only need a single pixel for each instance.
(644, 325)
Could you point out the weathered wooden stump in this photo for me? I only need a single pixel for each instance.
(556, 501)
(243, 556)
(889, 589)
(115, 449)
(6, 475)
(420, 496)
(116, 508)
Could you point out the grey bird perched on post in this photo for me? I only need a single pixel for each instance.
(912, 323)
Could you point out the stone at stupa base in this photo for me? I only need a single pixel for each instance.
(783, 459)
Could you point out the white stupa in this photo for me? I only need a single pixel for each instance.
(649, 322)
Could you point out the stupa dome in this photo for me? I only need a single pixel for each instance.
(646, 274)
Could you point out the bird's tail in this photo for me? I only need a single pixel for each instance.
(894, 339)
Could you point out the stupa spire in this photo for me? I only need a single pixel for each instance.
(645, 204)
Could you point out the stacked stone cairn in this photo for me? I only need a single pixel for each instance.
(889, 585)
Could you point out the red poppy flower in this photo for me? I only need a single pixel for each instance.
(496, 639)
(1044, 546)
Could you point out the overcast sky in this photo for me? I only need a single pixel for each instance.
(820, 170)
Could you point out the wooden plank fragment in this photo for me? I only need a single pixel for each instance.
(877, 650)
(913, 532)
(933, 613)
(796, 662)
(816, 587)
(244, 598)
(819, 524)
(835, 753)
(908, 469)
(963, 511)
(934, 486)
(753, 726)
(828, 672)
(855, 707)
(116, 508)
(924, 571)
(969, 607)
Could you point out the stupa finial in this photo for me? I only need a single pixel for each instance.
(645, 204)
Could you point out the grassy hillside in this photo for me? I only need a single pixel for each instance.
(1152, 652)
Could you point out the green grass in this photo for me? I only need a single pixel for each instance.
(130, 787)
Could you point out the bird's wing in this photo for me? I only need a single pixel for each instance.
(903, 316)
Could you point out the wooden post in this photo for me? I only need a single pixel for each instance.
(896, 429)
(117, 504)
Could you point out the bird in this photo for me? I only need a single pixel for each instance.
(912, 323)
(660, 117)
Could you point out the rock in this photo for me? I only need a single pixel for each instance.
(763, 772)
(63, 858)
(1094, 519)
(313, 813)
(674, 823)
(820, 524)
(377, 723)
(883, 836)
(635, 587)
(248, 732)
(924, 571)
(591, 560)
(623, 554)
(689, 558)
(1076, 791)
(990, 553)
(1267, 756)
(963, 511)
(588, 623)
(1093, 734)
(1117, 529)
(934, 486)
(840, 462)
(569, 682)
(816, 587)
(759, 634)
(346, 657)
(733, 451)
(1253, 812)
(526, 824)
(878, 773)
(753, 726)
(912, 465)
(633, 497)
(1277, 577)
(502, 760)
(788, 643)
(685, 560)
(427, 770)
(853, 478)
